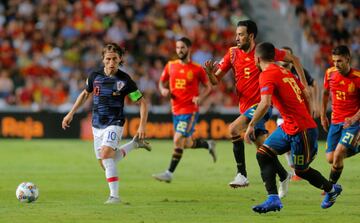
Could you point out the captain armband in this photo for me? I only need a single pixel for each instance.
(135, 96)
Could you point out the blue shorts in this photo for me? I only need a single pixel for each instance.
(303, 146)
(260, 126)
(185, 124)
(346, 137)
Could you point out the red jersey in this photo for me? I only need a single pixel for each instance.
(287, 97)
(345, 93)
(246, 74)
(184, 80)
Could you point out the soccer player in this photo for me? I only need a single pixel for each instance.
(313, 87)
(108, 87)
(180, 80)
(241, 60)
(298, 133)
(343, 83)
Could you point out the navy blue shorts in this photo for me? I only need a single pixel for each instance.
(338, 135)
(303, 146)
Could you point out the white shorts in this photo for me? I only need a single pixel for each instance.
(110, 136)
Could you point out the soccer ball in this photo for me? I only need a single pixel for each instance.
(27, 192)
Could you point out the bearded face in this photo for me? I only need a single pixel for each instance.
(182, 50)
(243, 39)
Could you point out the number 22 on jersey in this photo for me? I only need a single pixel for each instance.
(180, 83)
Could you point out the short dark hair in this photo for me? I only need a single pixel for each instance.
(341, 50)
(185, 40)
(287, 48)
(250, 25)
(266, 51)
(113, 47)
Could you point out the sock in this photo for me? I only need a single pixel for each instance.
(123, 150)
(200, 143)
(350, 153)
(289, 160)
(239, 154)
(315, 178)
(335, 174)
(267, 165)
(111, 176)
(280, 170)
(176, 157)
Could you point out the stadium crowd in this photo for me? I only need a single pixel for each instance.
(48, 47)
(326, 24)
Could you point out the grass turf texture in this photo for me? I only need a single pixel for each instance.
(73, 188)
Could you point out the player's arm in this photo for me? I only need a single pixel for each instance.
(260, 111)
(136, 96)
(203, 94)
(352, 120)
(300, 71)
(314, 92)
(324, 104)
(164, 88)
(143, 117)
(212, 72)
(298, 67)
(81, 99)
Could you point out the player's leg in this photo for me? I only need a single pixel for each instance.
(332, 140)
(236, 129)
(181, 125)
(179, 141)
(260, 135)
(97, 134)
(199, 143)
(266, 156)
(346, 143)
(304, 149)
(111, 137)
(135, 143)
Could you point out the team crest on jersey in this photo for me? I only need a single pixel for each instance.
(190, 75)
(119, 85)
(351, 87)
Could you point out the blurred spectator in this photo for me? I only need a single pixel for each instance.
(47, 50)
(327, 24)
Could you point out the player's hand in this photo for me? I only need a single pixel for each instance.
(196, 101)
(141, 132)
(209, 67)
(349, 122)
(316, 110)
(324, 123)
(164, 92)
(66, 121)
(249, 134)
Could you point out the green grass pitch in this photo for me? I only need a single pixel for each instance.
(73, 188)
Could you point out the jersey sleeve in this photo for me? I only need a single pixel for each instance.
(279, 54)
(225, 63)
(89, 87)
(266, 84)
(132, 90)
(165, 75)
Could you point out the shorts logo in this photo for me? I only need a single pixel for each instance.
(119, 85)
